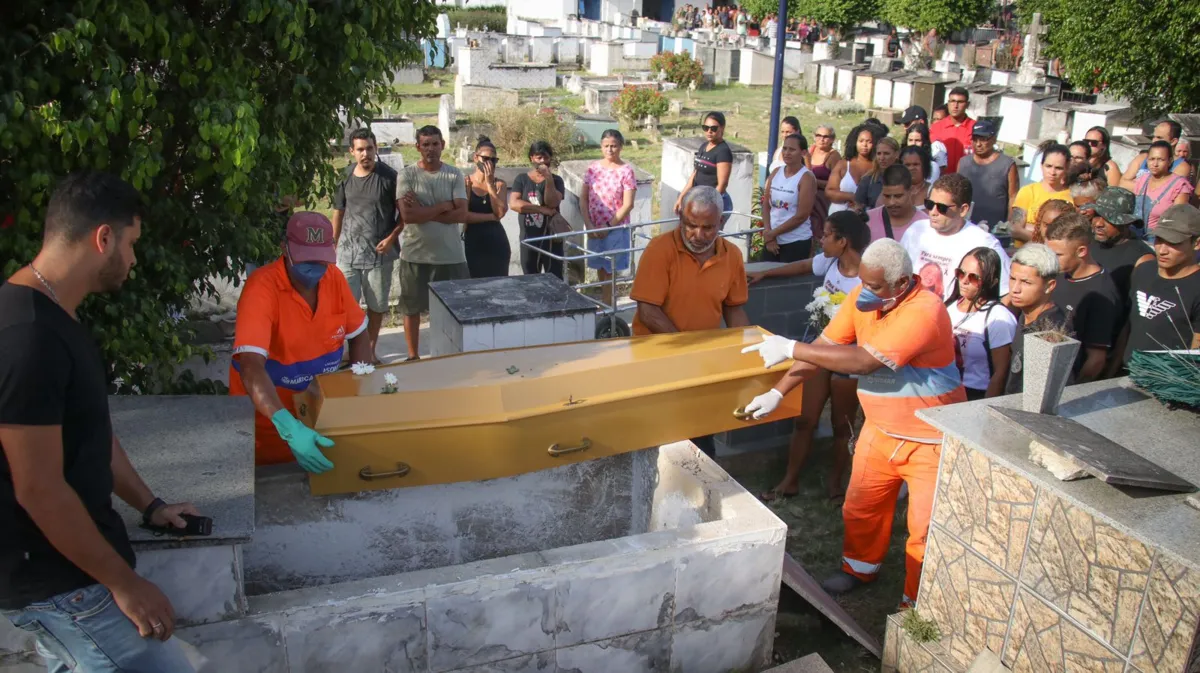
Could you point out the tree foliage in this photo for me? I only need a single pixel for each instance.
(213, 110)
(841, 14)
(1143, 50)
(944, 16)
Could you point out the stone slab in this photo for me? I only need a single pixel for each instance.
(796, 577)
(492, 299)
(191, 448)
(1115, 409)
(812, 663)
(1099, 455)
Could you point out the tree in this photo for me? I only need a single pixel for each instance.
(1142, 50)
(214, 110)
(841, 14)
(942, 16)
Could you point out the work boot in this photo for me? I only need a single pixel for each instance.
(840, 583)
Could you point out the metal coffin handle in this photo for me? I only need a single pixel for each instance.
(367, 475)
(555, 451)
(742, 415)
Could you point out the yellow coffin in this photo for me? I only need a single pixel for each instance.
(500, 413)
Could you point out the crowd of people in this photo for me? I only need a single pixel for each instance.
(732, 22)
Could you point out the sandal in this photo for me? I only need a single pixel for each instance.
(774, 494)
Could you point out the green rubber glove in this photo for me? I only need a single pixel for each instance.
(303, 441)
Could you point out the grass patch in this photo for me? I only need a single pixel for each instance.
(482, 17)
(920, 629)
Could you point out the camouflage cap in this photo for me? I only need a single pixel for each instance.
(1115, 204)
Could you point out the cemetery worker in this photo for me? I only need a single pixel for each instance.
(860, 159)
(365, 229)
(1032, 277)
(954, 130)
(294, 318)
(713, 163)
(898, 339)
(1086, 293)
(1116, 247)
(938, 244)
(791, 191)
(897, 213)
(917, 135)
(690, 278)
(433, 203)
(484, 241)
(870, 187)
(1022, 219)
(1165, 297)
(845, 239)
(1159, 189)
(66, 565)
(983, 327)
(536, 195)
(610, 186)
(994, 177)
(1168, 131)
(1099, 141)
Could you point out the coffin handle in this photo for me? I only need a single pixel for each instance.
(555, 450)
(367, 475)
(742, 415)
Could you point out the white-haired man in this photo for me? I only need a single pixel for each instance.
(1032, 278)
(690, 278)
(898, 338)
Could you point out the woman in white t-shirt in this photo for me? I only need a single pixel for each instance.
(790, 193)
(842, 245)
(983, 327)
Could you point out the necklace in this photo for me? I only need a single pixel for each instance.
(45, 283)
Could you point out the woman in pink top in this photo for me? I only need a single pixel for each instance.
(606, 202)
(1159, 188)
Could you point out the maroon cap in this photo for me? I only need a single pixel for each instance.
(310, 238)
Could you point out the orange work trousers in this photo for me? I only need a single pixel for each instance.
(881, 464)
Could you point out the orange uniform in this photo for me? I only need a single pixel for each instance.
(274, 321)
(915, 342)
(693, 295)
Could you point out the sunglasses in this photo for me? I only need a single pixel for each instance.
(823, 135)
(942, 208)
(964, 277)
(1095, 143)
(714, 128)
(489, 160)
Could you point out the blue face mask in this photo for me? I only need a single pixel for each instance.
(869, 301)
(309, 274)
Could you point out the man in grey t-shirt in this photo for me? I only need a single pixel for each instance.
(433, 202)
(365, 228)
(993, 176)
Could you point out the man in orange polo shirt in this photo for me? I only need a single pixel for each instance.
(954, 130)
(293, 319)
(690, 278)
(898, 338)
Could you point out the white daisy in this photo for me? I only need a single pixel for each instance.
(362, 368)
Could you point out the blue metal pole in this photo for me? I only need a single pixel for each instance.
(777, 87)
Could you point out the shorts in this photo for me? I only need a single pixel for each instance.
(617, 239)
(415, 278)
(372, 285)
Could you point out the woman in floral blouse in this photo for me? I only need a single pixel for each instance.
(606, 203)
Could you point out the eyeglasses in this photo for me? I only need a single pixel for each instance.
(942, 208)
(714, 128)
(964, 277)
(823, 135)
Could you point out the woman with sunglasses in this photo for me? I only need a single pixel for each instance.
(983, 328)
(484, 239)
(843, 182)
(713, 162)
(822, 159)
(606, 201)
(846, 237)
(870, 188)
(1022, 220)
(1098, 140)
(917, 135)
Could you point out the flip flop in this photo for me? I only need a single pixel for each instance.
(773, 495)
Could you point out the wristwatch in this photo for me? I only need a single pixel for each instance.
(153, 507)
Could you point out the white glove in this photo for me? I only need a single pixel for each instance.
(773, 349)
(764, 404)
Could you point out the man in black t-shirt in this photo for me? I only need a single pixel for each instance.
(66, 564)
(1116, 247)
(1086, 293)
(1166, 295)
(1032, 278)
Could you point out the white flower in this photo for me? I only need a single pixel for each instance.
(390, 379)
(362, 368)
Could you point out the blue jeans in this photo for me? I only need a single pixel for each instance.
(83, 631)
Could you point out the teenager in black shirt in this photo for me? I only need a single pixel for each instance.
(1166, 295)
(66, 565)
(1032, 277)
(713, 162)
(1086, 293)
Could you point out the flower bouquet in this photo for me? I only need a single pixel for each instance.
(821, 309)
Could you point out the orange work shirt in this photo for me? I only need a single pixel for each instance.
(274, 321)
(693, 295)
(915, 343)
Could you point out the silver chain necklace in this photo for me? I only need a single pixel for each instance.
(45, 283)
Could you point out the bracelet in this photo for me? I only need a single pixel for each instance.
(153, 507)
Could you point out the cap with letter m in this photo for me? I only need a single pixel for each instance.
(310, 238)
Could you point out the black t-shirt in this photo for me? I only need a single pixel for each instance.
(369, 203)
(706, 163)
(51, 373)
(1093, 307)
(1052, 319)
(1119, 261)
(1161, 308)
(534, 224)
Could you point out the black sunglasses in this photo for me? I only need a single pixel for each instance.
(942, 208)
(714, 128)
(1095, 143)
(822, 135)
(490, 160)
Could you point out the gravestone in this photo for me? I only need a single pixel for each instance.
(446, 115)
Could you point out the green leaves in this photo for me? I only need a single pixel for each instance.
(944, 16)
(197, 106)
